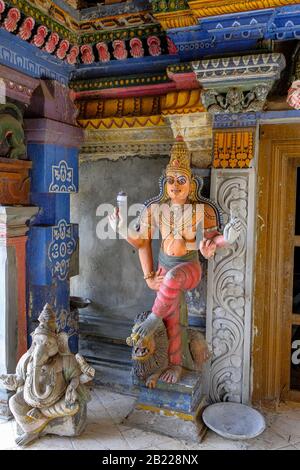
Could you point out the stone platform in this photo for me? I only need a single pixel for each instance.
(172, 410)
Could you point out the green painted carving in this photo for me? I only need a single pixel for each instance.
(161, 6)
(11, 132)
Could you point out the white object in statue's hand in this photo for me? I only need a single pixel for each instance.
(232, 230)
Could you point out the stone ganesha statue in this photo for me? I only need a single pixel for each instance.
(150, 353)
(51, 394)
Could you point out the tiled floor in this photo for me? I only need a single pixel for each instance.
(104, 431)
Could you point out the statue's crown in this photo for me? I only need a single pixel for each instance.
(180, 158)
(47, 322)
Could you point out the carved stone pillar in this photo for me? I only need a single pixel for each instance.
(229, 299)
(13, 327)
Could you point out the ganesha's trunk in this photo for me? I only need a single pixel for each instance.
(40, 389)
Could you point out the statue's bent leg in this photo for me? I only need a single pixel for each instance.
(31, 427)
(185, 276)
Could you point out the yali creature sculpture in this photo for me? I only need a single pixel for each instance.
(11, 131)
(49, 382)
(187, 222)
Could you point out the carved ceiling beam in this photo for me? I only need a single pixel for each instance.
(238, 84)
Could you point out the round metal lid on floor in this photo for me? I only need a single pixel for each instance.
(234, 420)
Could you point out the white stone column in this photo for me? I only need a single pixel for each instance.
(229, 297)
(13, 231)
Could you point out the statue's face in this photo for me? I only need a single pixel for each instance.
(46, 343)
(178, 187)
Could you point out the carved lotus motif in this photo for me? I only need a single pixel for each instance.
(40, 37)
(87, 55)
(26, 28)
(120, 52)
(63, 49)
(293, 98)
(73, 54)
(12, 19)
(103, 52)
(136, 47)
(154, 45)
(52, 42)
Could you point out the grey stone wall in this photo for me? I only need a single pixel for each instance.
(110, 273)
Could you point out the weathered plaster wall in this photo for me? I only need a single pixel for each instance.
(110, 273)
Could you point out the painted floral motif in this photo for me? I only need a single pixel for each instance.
(87, 55)
(136, 47)
(63, 49)
(61, 248)
(26, 28)
(52, 42)
(103, 52)
(172, 49)
(40, 37)
(293, 98)
(12, 19)
(154, 45)
(73, 54)
(120, 52)
(62, 179)
(68, 321)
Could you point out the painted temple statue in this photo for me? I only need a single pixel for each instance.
(49, 384)
(187, 222)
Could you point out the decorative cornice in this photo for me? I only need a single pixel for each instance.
(116, 108)
(203, 8)
(239, 70)
(236, 32)
(182, 102)
(18, 86)
(115, 143)
(22, 19)
(116, 150)
(117, 82)
(138, 111)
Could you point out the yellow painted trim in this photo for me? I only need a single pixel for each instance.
(233, 148)
(203, 8)
(155, 409)
(176, 19)
(121, 122)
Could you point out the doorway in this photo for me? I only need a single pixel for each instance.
(276, 341)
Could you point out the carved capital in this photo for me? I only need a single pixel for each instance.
(238, 84)
(195, 128)
(13, 221)
(235, 100)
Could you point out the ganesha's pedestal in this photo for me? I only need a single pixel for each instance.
(173, 410)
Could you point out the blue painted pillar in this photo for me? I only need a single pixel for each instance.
(53, 149)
